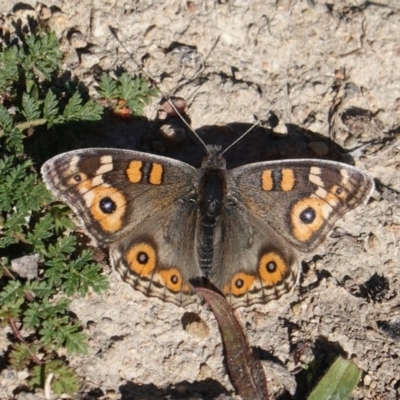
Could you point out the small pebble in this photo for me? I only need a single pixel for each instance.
(77, 40)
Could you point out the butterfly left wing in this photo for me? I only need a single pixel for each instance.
(158, 258)
(140, 205)
(300, 199)
(112, 191)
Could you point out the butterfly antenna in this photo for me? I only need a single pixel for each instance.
(114, 32)
(249, 130)
(171, 103)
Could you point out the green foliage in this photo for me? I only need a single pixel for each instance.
(30, 224)
(76, 111)
(43, 56)
(21, 198)
(73, 276)
(6, 122)
(135, 92)
(59, 332)
(25, 65)
(60, 214)
(27, 72)
(10, 310)
(22, 355)
(50, 107)
(108, 87)
(64, 379)
(30, 107)
(9, 69)
(11, 295)
(12, 136)
(339, 382)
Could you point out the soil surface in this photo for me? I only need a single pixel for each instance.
(326, 77)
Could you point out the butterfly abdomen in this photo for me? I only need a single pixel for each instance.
(212, 195)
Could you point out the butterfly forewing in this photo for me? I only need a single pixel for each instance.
(301, 199)
(113, 191)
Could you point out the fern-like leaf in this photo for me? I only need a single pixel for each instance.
(75, 111)
(63, 382)
(108, 87)
(50, 107)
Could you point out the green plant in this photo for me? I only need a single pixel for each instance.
(34, 297)
(133, 93)
(339, 381)
(33, 231)
(63, 380)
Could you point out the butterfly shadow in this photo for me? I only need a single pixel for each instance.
(260, 144)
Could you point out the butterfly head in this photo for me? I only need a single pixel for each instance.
(214, 158)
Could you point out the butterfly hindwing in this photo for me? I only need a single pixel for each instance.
(262, 265)
(159, 257)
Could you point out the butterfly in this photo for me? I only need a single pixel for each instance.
(169, 225)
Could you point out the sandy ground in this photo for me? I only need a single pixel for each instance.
(332, 69)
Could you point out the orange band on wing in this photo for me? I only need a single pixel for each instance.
(302, 228)
(266, 180)
(287, 182)
(134, 171)
(156, 174)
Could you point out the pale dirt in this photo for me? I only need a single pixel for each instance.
(332, 69)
